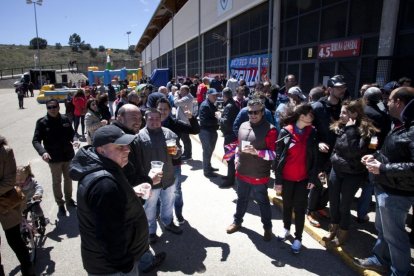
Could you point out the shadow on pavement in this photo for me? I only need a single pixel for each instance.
(67, 226)
(186, 253)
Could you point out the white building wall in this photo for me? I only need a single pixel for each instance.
(155, 44)
(210, 17)
(165, 39)
(186, 23)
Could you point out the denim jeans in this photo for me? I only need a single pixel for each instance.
(167, 197)
(261, 197)
(365, 198)
(208, 140)
(393, 245)
(58, 169)
(342, 189)
(178, 203)
(111, 108)
(133, 272)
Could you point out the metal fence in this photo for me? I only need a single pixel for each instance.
(11, 73)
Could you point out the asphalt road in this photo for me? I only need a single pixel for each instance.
(203, 248)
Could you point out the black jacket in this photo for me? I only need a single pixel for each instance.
(348, 151)
(179, 127)
(227, 119)
(208, 118)
(380, 119)
(282, 146)
(397, 157)
(325, 114)
(112, 222)
(56, 135)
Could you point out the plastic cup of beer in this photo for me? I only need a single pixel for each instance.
(156, 166)
(172, 147)
(143, 190)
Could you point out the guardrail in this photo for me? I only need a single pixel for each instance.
(11, 73)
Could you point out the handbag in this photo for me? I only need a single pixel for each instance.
(11, 199)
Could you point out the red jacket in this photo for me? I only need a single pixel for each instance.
(80, 105)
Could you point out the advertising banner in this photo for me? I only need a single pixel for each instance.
(250, 68)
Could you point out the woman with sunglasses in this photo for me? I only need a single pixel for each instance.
(295, 168)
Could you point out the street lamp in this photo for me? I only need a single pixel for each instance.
(37, 2)
(128, 33)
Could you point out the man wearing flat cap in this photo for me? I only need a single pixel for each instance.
(112, 222)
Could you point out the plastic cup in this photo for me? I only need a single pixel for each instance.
(245, 143)
(172, 147)
(156, 166)
(145, 190)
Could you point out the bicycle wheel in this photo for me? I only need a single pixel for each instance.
(31, 246)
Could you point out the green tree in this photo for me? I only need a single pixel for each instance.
(86, 46)
(75, 42)
(102, 48)
(131, 50)
(93, 52)
(42, 43)
(58, 46)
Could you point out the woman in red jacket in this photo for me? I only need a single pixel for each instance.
(295, 164)
(79, 101)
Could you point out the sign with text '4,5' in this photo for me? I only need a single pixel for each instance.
(343, 48)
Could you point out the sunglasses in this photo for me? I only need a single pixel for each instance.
(254, 112)
(52, 107)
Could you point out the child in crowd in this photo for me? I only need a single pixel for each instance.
(31, 188)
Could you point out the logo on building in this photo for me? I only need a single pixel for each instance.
(224, 6)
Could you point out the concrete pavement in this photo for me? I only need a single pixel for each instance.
(204, 247)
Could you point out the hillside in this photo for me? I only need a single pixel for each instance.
(16, 56)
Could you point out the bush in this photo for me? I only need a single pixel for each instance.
(102, 48)
(58, 46)
(93, 53)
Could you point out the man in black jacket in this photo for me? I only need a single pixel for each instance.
(393, 169)
(226, 125)
(112, 222)
(208, 130)
(56, 132)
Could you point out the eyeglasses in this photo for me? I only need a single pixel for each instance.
(52, 106)
(254, 112)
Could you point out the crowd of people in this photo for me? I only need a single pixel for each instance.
(322, 147)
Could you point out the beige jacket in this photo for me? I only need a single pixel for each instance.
(7, 182)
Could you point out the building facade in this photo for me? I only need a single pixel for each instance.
(365, 40)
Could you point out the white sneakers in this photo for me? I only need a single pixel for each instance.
(296, 245)
(282, 236)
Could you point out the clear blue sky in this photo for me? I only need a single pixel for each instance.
(98, 22)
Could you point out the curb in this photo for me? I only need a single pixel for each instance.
(315, 233)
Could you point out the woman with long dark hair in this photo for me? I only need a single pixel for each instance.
(354, 131)
(295, 168)
(93, 119)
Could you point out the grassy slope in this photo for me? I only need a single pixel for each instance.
(15, 56)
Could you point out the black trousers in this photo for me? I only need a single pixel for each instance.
(16, 243)
(295, 198)
(185, 137)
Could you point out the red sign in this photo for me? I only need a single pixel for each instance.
(344, 48)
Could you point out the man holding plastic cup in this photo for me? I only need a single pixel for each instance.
(153, 147)
(253, 161)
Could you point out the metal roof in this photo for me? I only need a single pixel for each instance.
(162, 15)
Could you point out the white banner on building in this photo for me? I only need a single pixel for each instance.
(224, 6)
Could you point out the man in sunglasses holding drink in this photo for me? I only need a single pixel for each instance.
(56, 133)
(256, 150)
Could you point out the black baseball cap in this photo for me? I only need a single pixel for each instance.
(111, 134)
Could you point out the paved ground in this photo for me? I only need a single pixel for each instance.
(204, 246)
